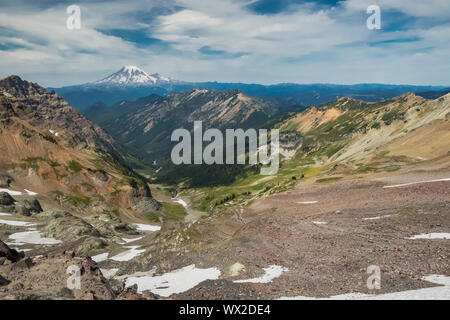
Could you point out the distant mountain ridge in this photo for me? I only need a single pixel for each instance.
(145, 125)
(131, 83)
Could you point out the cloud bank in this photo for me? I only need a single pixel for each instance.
(260, 41)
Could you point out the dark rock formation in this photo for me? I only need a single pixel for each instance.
(6, 199)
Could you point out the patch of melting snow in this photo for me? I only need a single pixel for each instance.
(271, 273)
(320, 222)
(17, 223)
(173, 282)
(5, 214)
(100, 257)
(109, 273)
(441, 292)
(147, 227)
(306, 202)
(24, 250)
(54, 133)
(129, 254)
(11, 192)
(131, 240)
(180, 201)
(418, 182)
(431, 236)
(378, 218)
(30, 193)
(31, 237)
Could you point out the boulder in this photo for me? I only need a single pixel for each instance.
(6, 199)
(33, 205)
(5, 181)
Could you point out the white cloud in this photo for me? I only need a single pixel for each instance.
(301, 45)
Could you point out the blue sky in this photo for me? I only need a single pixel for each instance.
(253, 41)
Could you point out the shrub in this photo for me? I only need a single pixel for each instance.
(74, 166)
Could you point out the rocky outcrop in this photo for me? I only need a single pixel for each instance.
(6, 199)
(10, 254)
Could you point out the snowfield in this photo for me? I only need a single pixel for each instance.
(173, 282)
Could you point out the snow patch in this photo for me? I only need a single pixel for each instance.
(30, 193)
(131, 240)
(271, 273)
(129, 254)
(173, 282)
(319, 222)
(378, 218)
(11, 192)
(109, 273)
(307, 202)
(180, 201)
(31, 237)
(5, 214)
(17, 223)
(24, 250)
(147, 227)
(100, 257)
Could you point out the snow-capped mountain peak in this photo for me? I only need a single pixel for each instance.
(132, 75)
